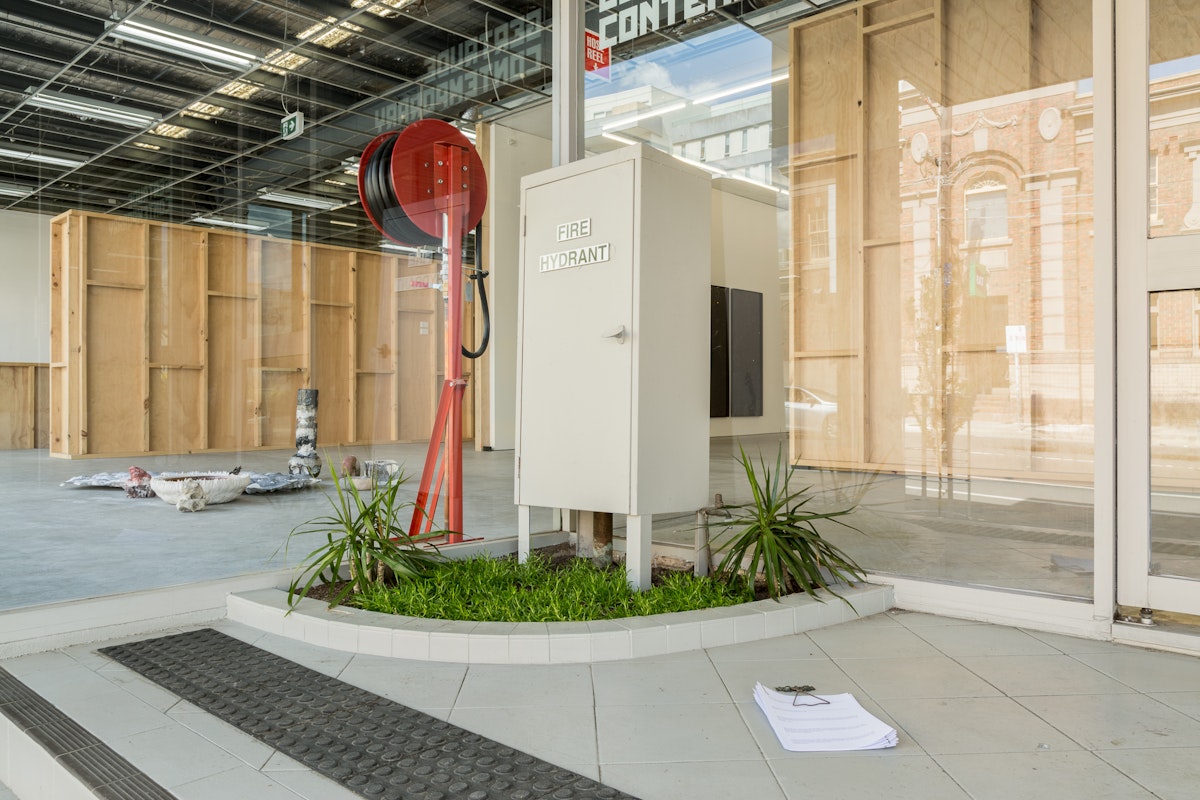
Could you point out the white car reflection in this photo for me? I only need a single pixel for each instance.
(811, 411)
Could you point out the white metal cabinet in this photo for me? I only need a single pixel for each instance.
(612, 366)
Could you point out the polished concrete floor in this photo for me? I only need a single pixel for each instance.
(982, 711)
(76, 543)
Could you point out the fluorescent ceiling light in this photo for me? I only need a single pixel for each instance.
(421, 252)
(13, 190)
(617, 138)
(319, 203)
(228, 223)
(175, 42)
(40, 157)
(343, 223)
(706, 167)
(92, 109)
(745, 87)
(656, 112)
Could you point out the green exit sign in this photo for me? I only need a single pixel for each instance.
(292, 125)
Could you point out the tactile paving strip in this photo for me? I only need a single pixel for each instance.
(97, 766)
(375, 747)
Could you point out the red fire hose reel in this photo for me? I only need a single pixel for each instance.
(425, 185)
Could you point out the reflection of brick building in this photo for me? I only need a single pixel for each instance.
(994, 193)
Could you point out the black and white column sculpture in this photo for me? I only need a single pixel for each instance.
(306, 461)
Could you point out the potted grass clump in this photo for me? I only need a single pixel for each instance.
(773, 541)
(365, 544)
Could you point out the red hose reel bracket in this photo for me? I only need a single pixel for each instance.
(423, 185)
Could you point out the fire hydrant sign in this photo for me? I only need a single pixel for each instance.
(576, 257)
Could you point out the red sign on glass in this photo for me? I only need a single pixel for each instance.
(594, 56)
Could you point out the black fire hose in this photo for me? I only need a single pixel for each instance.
(478, 275)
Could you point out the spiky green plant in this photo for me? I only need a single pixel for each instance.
(365, 541)
(775, 536)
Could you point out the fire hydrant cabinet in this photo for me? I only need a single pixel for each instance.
(613, 361)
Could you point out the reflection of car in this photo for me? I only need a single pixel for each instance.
(811, 411)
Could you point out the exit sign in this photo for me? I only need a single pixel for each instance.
(292, 125)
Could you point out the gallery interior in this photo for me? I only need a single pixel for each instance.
(950, 273)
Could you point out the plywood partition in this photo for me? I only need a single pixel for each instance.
(177, 279)
(170, 338)
(23, 406)
(375, 347)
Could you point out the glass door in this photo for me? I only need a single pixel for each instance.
(1158, 305)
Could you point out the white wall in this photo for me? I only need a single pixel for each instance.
(745, 255)
(511, 154)
(24, 287)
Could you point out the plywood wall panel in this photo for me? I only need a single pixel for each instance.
(177, 410)
(284, 305)
(279, 408)
(333, 373)
(374, 331)
(115, 365)
(417, 370)
(18, 406)
(116, 250)
(177, 282)
(230, 264)
(332, 275)
(42, 417)
(375, 408)
(232, 373)
(824, 119)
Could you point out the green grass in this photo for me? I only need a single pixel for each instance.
(484, 589)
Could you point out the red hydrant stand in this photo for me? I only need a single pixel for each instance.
(439, 187)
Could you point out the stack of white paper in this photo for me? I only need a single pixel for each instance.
(840, 724)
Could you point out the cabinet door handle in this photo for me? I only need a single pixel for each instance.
(617, 333)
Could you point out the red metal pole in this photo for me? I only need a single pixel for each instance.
(456, 198)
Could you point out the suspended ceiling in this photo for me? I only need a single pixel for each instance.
(353, 68)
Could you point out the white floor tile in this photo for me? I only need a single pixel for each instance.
(854, 776)
(1004, 776)
(1147, 671)
(500, 686)
(974, 725)
(643, 734)
(176, 756)
(422, 685)
(709, 780)
(859, 640)
(983, 640)
(1116, 722)
(1169, 772)
(796, 646)
(824, 675)
(1042, 675)
(624, 683)
(240, 782)
(884, 678)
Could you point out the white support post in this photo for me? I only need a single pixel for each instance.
(524, 522)
(637, 550)
(566, 94)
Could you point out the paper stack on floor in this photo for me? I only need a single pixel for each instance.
(840, 724)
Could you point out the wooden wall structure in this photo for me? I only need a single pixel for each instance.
(24, 406)
(173, 339)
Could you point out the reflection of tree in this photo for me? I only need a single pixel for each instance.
(943, 397)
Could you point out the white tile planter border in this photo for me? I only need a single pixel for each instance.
(356, 631)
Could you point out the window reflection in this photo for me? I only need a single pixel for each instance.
(953, 330)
